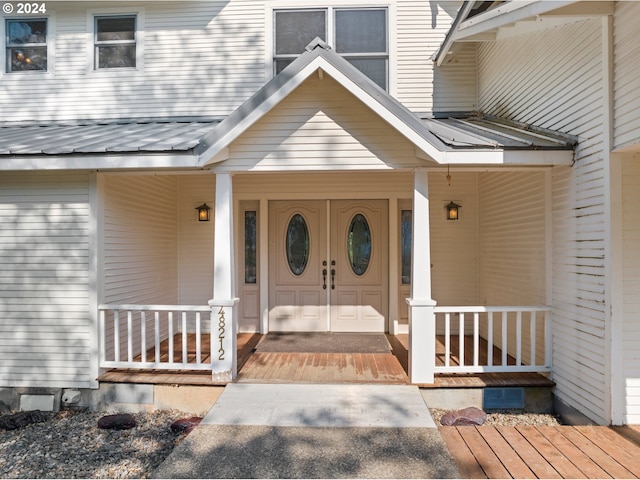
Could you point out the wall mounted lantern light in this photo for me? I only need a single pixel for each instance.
(203, 212)
(453, 211)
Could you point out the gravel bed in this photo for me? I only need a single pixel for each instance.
(70, 445)
(509, 418)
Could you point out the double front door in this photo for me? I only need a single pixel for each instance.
(328, 265)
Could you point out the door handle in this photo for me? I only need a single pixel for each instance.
(324, 278)
(333, 279)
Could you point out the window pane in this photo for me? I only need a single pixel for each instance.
(374, 68)
(116, 28)
(250, 247)
(297, 244)
(21, 32)
(359, 244)
(295, 30)
(27, 59)
(281, 64)
(406, 238)
(361, 31)
(117, 56)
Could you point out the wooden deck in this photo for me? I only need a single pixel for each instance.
(544, 452)
(263, 367)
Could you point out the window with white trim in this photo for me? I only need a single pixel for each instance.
(26, 41)
(115, 41)
(360, 35)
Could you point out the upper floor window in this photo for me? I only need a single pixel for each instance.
(115, 41)
(26, 45)
(358, 34)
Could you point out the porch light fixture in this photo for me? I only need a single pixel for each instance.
(203, 212)
(453, 211)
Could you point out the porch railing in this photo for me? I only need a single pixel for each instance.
(162, 337)
(493, 339)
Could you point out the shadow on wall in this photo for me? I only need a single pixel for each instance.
(45, 327)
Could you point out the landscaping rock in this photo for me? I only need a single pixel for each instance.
(185, 425)
(121, 421)
(22, 419)
(464, 417)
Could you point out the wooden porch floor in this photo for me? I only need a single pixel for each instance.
(545, 452)
(269, 367)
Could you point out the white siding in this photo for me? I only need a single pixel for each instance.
(203, 58)
(512, 247)
(422, 27)
(631, 288)
(46, 329)
(199, 58)
(454, 251)
(553, 79)
(319, 126)
(195, 240)
(626, 73)
(140, 240)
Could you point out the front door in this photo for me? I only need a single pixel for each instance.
(328, 265)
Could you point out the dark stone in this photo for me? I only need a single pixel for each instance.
(466, 416)
(185, 425)
(121, 421)
(22, 419)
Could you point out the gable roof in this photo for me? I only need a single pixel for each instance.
(430, 145)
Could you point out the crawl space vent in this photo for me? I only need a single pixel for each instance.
(499, 398)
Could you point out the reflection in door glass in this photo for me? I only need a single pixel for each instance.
(405, 243)
(297, 244)
(359, 244)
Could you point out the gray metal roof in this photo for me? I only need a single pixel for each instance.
(125, 136)
(478, 131)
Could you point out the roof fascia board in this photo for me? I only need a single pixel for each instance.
(442, 52)
(505, 157)
(506, 14)
(95, 162)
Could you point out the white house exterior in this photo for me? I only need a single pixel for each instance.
(129, 115)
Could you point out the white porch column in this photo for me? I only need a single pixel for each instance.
(422, 320)
(223, 304)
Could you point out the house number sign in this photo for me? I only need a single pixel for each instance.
(222, 323)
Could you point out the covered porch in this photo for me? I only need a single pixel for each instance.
(484, 275)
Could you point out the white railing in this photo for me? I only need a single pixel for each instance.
(519, 338)
(158, 337)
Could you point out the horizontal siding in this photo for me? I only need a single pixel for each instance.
(422, 27)
(140, 258)
(553, 79)
(512, 247)
(631, 288)
(195, 283)
(319, 126)
(454, 253)
(199, 58)
(140, 240)
(46, 329)
(326, 185)
(626, 96)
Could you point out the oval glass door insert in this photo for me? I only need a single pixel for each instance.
(297, 244)
(359, 244)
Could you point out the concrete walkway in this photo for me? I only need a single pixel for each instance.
(313, 431)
